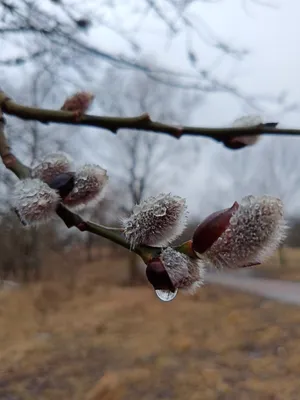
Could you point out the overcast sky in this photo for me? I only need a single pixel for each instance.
(271, 34)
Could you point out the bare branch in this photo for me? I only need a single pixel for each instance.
(8, 158)
(58, 30)
(141, 122)
(69, 218)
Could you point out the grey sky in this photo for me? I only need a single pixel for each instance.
(270, 33)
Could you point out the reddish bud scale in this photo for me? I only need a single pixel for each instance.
(173, 270)
(255, 230)
(158, 276)
(212, 228)
(79, 102)
(239, 142)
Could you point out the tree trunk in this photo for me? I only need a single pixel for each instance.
(135, 273)
(282, 258)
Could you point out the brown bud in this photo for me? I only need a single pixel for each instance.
(79, 102)
(158, 276)
(212, 228)
(238, 142)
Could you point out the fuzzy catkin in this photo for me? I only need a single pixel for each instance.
(185, 273)
(156, 221)
(51, 166)
(255, 231)
(89, 182)
(34, 201)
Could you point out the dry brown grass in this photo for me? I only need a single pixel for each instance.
(89, 341)
(288, 270)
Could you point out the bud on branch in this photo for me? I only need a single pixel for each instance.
(51, 166)
(79, 103)
(89, 182)
(57, 184)
(243, 235)
(156, 221)
(172, 271)
(34, 201)
(241, 141)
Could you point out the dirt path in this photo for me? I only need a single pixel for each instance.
(283, 291)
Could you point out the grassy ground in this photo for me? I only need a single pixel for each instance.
(87, 341)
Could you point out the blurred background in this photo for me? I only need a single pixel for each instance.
(77, 317)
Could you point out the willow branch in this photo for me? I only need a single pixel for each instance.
(141, 122)
(8, 158)
(69, 218)
(74, 220)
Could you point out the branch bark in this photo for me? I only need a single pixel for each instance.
(141, 122)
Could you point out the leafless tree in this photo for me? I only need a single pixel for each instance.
(31, 140)
(277, 170)
(57, 35)
(141, 163)
(269, 167)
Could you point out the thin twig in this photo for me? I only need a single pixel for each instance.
(74, 220)
(8, 158)
(141, 122)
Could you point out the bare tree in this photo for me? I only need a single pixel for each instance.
(100, 213)
(31, 140)
(57, 35)
(277, 170)
(145, 163)
(270, 167)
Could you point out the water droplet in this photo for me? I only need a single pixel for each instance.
(166, 295)
(160, 211)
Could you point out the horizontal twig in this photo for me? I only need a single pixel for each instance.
(141, 122)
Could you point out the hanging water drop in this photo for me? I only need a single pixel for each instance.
(166, 295)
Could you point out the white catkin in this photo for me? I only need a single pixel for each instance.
(156, 221)
(247, 121)
(90, 181)
(255, 230)
(51, 166)
(34, 201)
(185, 273)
